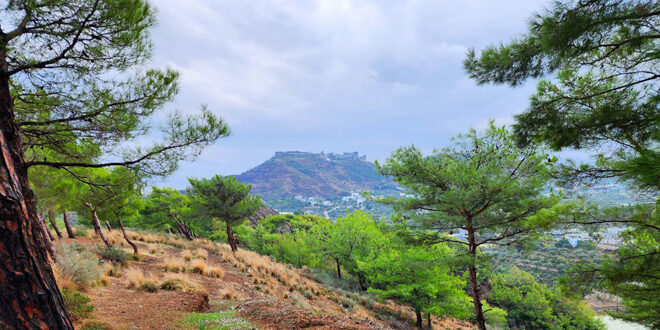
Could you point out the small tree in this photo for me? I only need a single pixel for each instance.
(418, 276)
(164, 206)
(350, 238)
(484, 185)
(225, 199)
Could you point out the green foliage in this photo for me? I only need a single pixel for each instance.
(172, 284)
(216, 321)
(604, 55)
(113, 254)
(223, 198)
(531, 305)
(78, 265)
(605, 97)
(349, 239)
(76, 304)
(419, 276)
(161, 206)
(80, 232)
(484, 184)
(149, 286)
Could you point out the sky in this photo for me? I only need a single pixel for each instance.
(334, 75)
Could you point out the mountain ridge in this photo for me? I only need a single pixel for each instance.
(323, 175)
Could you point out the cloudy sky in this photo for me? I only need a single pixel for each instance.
(334, 75)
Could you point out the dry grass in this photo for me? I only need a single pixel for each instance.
(135, 277)
(201, 253)
(174, 265)
(153, 249)
(227, 294)
(216, 272)
(186, 254)
(199, 266)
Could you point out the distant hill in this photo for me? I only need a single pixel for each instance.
(325, 175)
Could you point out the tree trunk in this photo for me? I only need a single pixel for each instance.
(42, 222)
(123, 231)
(474, 284)
(107, 225)
(69, 231)
(428, 320)
(230, 238)
(97, 228)
(362, 282)
(183, 227)
(47, 242)
(29, 297)
(338, 268)
(54, 224)
(418, 315)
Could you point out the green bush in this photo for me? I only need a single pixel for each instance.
(114, 254)
(148, 286)
(78, 265)
(80, 232)
(172, 284)
(76, 304)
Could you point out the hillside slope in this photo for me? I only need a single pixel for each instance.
(221, 290)
(292, 173)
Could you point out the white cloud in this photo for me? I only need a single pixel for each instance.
(334, 75)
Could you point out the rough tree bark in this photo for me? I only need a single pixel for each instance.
(69, 231)
(418, 315)
(29, 297)
(47, 242)
(230, 238)
(51, 219)
(42, 223)
(107, 225)
(97, 228)
(428, 321)
(123, 231)
(474, 284)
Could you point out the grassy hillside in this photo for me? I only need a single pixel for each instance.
(179, 284)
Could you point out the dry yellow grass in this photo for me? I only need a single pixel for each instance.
(174, 265)
(198, 266)
(135, 277)
(63, 282)
(186, 254)
(215, 272)
(201, 253)
(227, 294)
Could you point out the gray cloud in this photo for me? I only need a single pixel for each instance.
(334, 75)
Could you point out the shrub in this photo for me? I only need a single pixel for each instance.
(174, 265)
(187, 255)
(78, 266)
(114, 254)
(76, 304)
(201, 253)
(215, 272)
(148, 286)
(199, 266)
(172, 284)
(80, 232)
